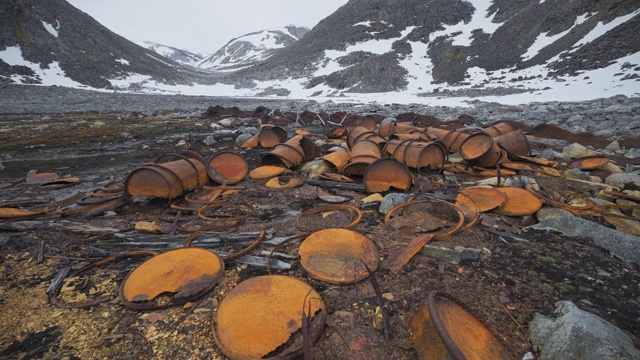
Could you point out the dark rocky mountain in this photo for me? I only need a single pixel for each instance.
(386, 38)
(251, 48)
(182, 56)
(51, 38)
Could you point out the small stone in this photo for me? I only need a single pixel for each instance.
(613, 147)
(1, 166)
(392, 200)
(242, 138)
(201, 310)
(313, 169)
(126, 135)
(633, 153)
(576, 151)
(181, 143)
(611, 167)
(228, 122)
(216, 126)
(372, 198)
(249, 130)
(316, 122)
(451, 256)
(551, 213)
(209, 140)
(388, 296)
(576, 174)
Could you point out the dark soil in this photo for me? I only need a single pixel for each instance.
(505, 287)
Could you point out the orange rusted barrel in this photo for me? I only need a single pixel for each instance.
(514, 142)
(167, 180)
(291, 153)
(479, 149)
(498, 129)
(270, 135)
(385, 174)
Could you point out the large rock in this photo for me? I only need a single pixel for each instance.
(621, 179)
(619, 244)
(579, 335)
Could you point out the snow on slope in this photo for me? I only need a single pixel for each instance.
(251, 48)
(182, 56)
(480, 20)
(51, 75)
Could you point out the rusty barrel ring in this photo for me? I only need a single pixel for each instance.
(404, 152)
(458, 227)
(153, 169)
(185, 159)
(446, 137)
(252, 211)
(352, 209)
(452, 347)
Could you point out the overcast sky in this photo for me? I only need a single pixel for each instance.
(202, 25)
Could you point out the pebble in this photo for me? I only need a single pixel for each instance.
(242, 138)
(228, 122)
(619, 180)
(210, 140)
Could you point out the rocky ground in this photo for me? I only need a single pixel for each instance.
(101, 137)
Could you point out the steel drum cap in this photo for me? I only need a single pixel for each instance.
(188, 272)
(260, 315)
(335, 255)
(227, 168)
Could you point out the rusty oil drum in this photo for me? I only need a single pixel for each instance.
(167, 180)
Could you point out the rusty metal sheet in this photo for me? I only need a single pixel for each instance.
(262, 318)
(187, 273)
(481, 199)
(335, 255)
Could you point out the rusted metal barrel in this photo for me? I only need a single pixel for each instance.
(479, 149)
(270, 135)
(451, 139)
(291, 153)
(393, 127)
(387, 173)
(167, 180)
(418, 154)
(498, 129)
(227, 168)
(363, 153)
(514, 142)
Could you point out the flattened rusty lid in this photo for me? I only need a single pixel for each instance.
(266, 172)
(334, 255)
(588, 163)
(481, 199)
(188, 273)
(520, 202)
(227, 168)
(264, 314)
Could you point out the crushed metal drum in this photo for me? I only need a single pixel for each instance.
(481, 199)
(385, 174)
(284, 182)
(335, 255)
(445, 328)
(227, 168)
(514, 142)
(498, 129)
(520, 202)
(291, 153)
(187, 273)
(261, 318)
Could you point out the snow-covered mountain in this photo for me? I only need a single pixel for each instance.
(251, 48)
(182, 56)
(50, 42)
(431, 48)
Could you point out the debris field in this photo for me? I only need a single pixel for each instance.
(257, 234)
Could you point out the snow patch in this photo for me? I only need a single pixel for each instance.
(545, 39)
(123, 61)
(603, 28)
(52, 75)
(367, 23)
(464, 31)
(52, 30)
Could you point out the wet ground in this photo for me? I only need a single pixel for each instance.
(505, 286)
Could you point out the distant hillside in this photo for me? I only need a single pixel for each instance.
(379, 46)
(251, 48)
(51, 42)
(182, 56)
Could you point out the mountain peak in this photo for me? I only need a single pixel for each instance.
(248, 49)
